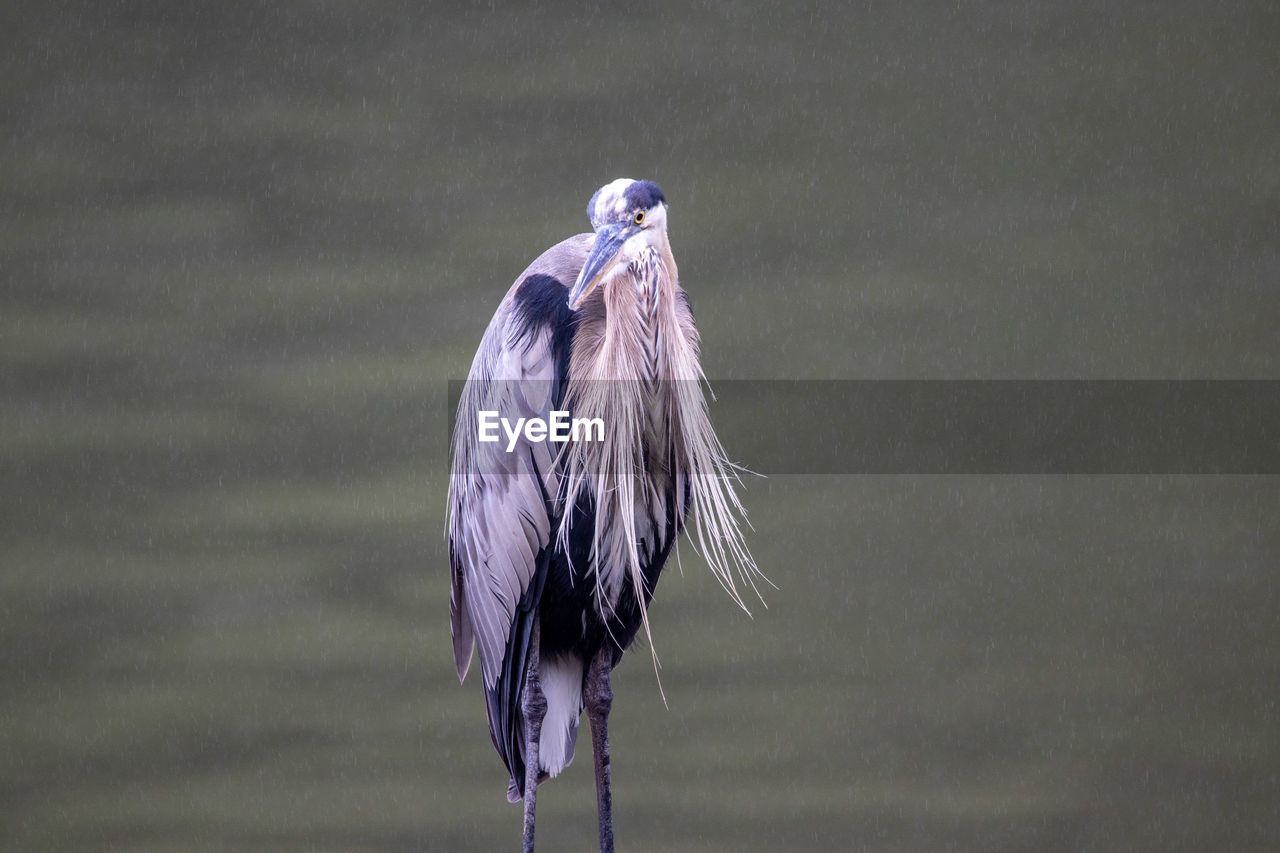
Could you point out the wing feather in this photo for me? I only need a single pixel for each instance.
(500, 516)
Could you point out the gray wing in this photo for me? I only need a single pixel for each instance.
(500, 516)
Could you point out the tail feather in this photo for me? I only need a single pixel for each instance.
(562, 685)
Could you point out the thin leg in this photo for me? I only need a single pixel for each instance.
(599, 699)
(535, 709)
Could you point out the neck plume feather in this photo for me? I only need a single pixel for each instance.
(635, 365)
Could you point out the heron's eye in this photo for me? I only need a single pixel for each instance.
(640, 218)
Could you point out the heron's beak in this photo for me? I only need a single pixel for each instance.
(605, 250)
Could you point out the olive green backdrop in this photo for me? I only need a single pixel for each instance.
(244, 247)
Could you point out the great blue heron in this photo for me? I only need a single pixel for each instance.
(556, 550)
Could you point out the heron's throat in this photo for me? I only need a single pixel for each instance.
(631, 328)
(651, 280)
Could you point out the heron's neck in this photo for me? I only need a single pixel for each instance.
(628, 346)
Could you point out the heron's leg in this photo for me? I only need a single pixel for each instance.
(599, 699)
(535, 709)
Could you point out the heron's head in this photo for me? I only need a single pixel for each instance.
(628, 217)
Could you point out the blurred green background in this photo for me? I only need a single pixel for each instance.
(245, 246)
